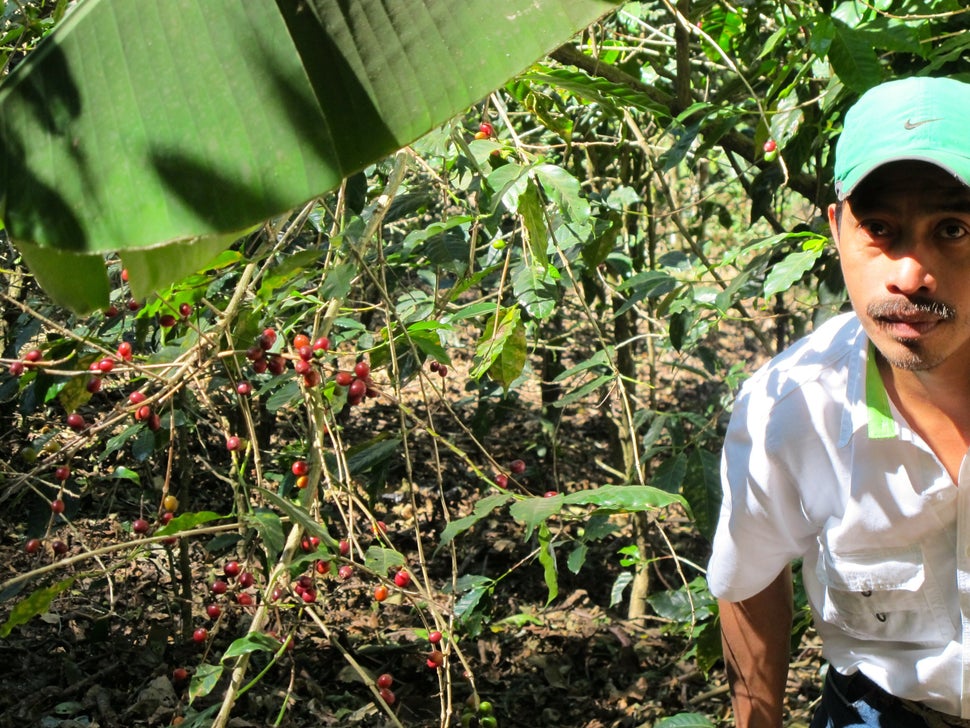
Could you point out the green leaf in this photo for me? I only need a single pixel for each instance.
(614, 96)
(284, 396)
(564, 191)
(150, 269)
(599, 358)
(483, 509)
(853, 58)
(472, 588)
(510, 362)
(708, 648)
(127, 474)
(120, 440)
(684, 720)
(448, 251)
(577, 557)
(678, 325)
(36, 604)
(74, 280)
(373, 453)
(204, 680)
(624, 498)
(187, 521)
(429, 342)
(536, 288)
(623, 580)
(581, 392)
(300, 516)
(598, 526)
(381, 560)
(535, 510)
(270, 528)
(547, 557)
(338, 281)
(141, 151)
(788, 271)
(702, 490)
(648, 284)
(292, 266)
(503, 327)
(669, 475)
(530, 207)
(685, 605)
(73, 394)
(249, 643)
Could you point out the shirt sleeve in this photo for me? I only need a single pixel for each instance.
(762, 525)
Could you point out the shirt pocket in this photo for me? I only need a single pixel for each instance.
(882, 595)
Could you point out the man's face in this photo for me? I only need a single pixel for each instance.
(904, 244)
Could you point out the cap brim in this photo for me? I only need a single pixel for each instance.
(956, 164)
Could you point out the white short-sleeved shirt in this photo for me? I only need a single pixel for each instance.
(819, 465)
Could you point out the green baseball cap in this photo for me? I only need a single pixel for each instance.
(922, 119)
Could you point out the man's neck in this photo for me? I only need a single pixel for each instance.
(936, 404)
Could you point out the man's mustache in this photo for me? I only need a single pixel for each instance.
(903, 308)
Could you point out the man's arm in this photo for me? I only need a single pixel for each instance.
(756, 635)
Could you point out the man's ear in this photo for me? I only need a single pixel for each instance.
(834, 222)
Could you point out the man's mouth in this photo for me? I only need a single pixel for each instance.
(910, 319)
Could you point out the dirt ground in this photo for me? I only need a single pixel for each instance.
(107, 650)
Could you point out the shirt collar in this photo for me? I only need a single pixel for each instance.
(880, 422)
(867, 404)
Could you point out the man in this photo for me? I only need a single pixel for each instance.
(848, 451)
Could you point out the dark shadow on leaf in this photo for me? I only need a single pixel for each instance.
(47, 94)
(353, 133)
(32, 210)
(214, 196)
(52, 94)
(346, 132)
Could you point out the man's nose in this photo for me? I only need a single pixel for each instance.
(910, 275)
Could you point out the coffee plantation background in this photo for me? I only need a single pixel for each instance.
(421, 427)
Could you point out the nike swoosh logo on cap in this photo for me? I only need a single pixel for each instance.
(914, 124)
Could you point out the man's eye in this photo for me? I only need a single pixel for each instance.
(876, 229)
(953, 231)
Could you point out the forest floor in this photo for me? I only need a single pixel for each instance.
(108, 649)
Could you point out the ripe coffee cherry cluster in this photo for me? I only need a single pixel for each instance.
(57, 505)
(485, 131)
(305, 587)
(439, 368)
(516, 467)
(169, 505)
(301, 469)
(307, 357)
(771, 150)
(34, 357)
(307, 354)
(33, 546)
(144, 412)
(168, 320)
(260, 356)
(384, 683)
(235, 583)
(358, 383)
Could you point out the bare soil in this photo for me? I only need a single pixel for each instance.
(106, 650)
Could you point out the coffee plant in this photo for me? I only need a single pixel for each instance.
(310, 418)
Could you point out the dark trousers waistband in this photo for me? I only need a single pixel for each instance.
(846, 693)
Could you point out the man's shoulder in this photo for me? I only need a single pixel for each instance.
(825, 354)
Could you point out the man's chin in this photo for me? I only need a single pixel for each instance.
(908, 357)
